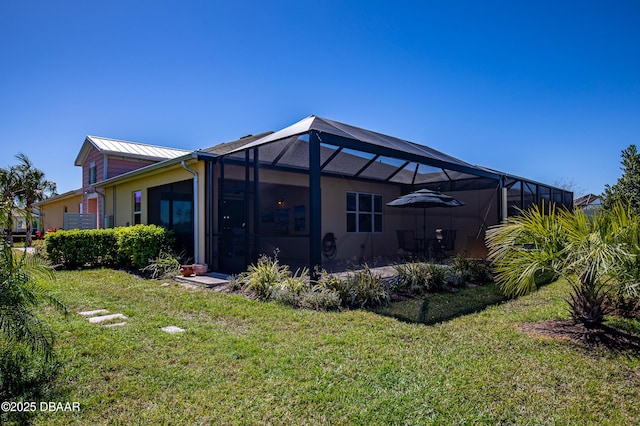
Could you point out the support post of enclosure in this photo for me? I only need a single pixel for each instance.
(315, 205)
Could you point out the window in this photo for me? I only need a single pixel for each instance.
(364, 212)
(171, 206)
(137, 207)
(93, 173)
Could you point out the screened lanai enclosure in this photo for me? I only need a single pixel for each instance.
(317, 192)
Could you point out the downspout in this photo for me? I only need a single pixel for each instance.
(101, 218)
(196, 221)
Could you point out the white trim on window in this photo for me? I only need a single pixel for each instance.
(137, 207)
(364, 213)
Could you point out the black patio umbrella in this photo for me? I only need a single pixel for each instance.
(425, 198)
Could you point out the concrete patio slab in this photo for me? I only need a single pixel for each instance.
(211, 279)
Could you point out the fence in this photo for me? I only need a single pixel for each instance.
(80, 221)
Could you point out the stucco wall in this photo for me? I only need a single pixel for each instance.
(52, 212)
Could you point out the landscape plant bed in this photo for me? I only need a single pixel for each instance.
(242, 361)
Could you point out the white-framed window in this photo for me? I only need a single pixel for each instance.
(137, 207)
(364, 212)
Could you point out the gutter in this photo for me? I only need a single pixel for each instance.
(125, 177)
(196, 212)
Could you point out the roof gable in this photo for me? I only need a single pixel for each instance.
(126, 149)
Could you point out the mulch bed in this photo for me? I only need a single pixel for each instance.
(602, 336)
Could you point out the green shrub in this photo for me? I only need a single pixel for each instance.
(481, 272)
(75, 248)
(419, 278)
(319, 298)
(131, 246)
(358, 289)
(437, 276)
(285, 296)
(466, 270)
(137, 245)
(315, 297)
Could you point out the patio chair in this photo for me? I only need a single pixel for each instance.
(447, 238)
(408, 242)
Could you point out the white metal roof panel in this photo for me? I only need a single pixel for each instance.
(126, 148)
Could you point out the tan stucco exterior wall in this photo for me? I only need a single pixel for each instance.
(52, 212)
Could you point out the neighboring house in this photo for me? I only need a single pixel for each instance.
(104, 158)
(19, 222)
(589, 203)
(291, 189)
(54, 209)
(100, 159)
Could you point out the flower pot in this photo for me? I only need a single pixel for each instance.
(200, 268)
(186, 270)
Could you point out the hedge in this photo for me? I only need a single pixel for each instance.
(130, 246)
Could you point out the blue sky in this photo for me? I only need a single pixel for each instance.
(545, 90)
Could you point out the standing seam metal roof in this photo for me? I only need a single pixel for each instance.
(115, 146)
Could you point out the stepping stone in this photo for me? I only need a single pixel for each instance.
(172, 329)
(92, 313)
(117, 324)
(103, 318)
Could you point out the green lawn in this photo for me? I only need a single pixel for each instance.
(249, 362)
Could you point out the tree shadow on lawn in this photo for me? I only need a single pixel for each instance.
(438, 307)
(602, 336)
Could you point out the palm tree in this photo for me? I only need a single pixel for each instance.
(594, 254)
(34, 188)
(9, 191)
(19, 295)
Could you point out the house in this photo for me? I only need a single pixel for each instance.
(55, 209)
(316, 191)
(589, 203)
(100, 159)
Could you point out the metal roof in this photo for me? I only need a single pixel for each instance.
(127, 149)
(58, 197)
(210, 153)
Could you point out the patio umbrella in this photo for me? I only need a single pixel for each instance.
(425, 198)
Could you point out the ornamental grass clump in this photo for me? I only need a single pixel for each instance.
(420, 278)
(358, 289)
(166, 265)
(464, 271)
(268, 277)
